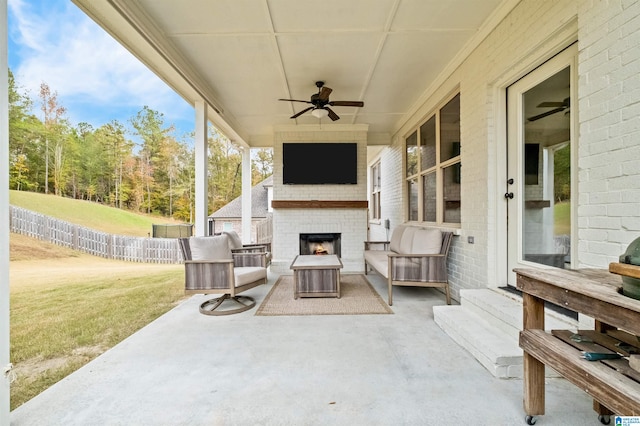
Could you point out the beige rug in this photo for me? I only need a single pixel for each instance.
(357, 298)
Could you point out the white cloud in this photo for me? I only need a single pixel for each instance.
(61, 46)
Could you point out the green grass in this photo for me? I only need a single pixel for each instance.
(67, 308)
(58, 326)
(88, 214)
(562, 215)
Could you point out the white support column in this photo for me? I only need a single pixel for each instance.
(201, 166)
(246, 196)
(4, 220)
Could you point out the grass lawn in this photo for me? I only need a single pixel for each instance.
(562, 216)
(88, 214)
(67, 308)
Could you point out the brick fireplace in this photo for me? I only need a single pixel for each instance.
(320, 209)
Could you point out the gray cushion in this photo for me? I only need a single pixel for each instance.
(378, 260)
(396, 237)
(210, 248)
(248, 274)
(406, 243)
(426, 241)
(235, 242)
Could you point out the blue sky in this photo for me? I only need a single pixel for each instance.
(96, 79)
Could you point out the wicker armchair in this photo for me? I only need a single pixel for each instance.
(211, 268)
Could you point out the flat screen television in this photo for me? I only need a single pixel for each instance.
(320, 163)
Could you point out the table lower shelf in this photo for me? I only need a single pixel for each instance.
(604, 382)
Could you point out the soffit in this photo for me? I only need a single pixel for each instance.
(243, 55)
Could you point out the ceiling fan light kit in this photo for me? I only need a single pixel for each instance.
(320, 103)
(320, 113)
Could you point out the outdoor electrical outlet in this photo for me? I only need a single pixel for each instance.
(470, 240)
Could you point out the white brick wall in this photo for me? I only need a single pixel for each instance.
(608, 32)
(288, 224)
(530, 34)
(609, 154)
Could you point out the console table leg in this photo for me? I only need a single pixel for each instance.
(533, 386)
(533, 318)
(602, 327)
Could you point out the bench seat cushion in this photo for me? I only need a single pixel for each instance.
(378, 260)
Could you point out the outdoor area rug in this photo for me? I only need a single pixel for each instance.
(357, 298)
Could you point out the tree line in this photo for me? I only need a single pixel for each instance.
(155, 175)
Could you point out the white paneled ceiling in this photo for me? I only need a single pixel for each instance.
(241, 56)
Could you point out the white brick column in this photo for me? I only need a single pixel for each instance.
(246, 195)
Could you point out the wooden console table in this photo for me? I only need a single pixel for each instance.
(594, 293)
(316, 276)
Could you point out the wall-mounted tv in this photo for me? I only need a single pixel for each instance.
(320, 163)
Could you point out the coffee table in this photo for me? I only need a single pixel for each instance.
(316, 276)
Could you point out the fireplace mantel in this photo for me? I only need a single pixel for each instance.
(319, 204)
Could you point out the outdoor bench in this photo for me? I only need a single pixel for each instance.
(414, 256)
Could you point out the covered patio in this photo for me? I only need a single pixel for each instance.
(191, 369)
(441, 141)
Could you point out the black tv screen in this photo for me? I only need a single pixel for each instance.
(320, 163)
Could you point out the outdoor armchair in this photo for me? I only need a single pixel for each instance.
(211, 268)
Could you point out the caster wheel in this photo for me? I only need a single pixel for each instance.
(605, 420)
(530, 420)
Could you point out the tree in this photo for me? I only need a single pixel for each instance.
(24, 129)
(54, 128)
(154, 157)
(225, 167)
(261, 165)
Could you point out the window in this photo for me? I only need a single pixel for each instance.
(433, 167)
(376, 186)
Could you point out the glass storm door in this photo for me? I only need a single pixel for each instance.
(539, 159)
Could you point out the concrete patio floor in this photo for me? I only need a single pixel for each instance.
(186, 368)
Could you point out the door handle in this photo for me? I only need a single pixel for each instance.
(508, 195)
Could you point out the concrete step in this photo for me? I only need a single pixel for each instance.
(503, 310)
(495, 350)
(487, 324)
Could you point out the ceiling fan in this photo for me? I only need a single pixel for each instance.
(320, 103)
(557, 107)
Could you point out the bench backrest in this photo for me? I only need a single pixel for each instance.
(408, 239)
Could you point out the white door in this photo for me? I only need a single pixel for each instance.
(540, 181)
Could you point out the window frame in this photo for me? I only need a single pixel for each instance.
(414, 206)
(376, 190)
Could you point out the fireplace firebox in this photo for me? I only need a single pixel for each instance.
(321, 243)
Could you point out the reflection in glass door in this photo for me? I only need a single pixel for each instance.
(547, 206)
(539, 167)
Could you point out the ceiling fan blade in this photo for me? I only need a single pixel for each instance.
(324, 93)
(294, 100)
(302, 112)
(347, 103)
(551, 105)
(332, 115)
(545, 114)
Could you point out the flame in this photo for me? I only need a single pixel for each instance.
(320, 249)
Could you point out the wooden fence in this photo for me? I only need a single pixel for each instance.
(264, 231)
(120, 247)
